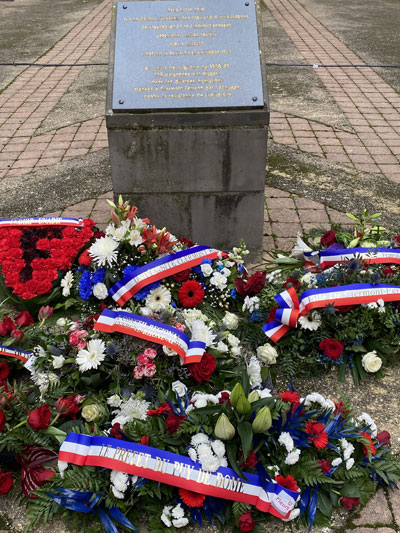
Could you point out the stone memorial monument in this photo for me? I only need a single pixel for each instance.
(187, 117)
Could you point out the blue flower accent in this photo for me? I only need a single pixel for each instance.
(85, 285)
(233, 293)
(197, 270)
(98, 276)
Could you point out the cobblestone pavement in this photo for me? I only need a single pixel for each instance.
(370, 144)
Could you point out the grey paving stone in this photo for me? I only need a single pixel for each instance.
(376, 511)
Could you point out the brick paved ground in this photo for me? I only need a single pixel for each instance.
(370, 105)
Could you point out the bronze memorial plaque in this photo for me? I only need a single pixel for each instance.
(186, 54)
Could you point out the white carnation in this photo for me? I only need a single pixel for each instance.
(336, 462)
(349, 463)
(180, 522)
(178, 512)
(292, 457)
(286, 440)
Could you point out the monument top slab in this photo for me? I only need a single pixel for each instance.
(186, 54)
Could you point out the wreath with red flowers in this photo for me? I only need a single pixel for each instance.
(32, 257)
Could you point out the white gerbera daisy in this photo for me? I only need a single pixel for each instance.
(104, 251)
(158, 299)
(66, 283)
(311, 321)
(92, 356)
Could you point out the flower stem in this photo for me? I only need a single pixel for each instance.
(55, 419)
(19, 425)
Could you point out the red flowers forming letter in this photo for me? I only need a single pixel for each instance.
(317, 434)
(40, 418)
(191, 294)
(203, 370)
(332, 348)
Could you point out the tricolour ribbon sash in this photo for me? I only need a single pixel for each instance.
(190, 351)
(161, 268)
(292, 307)
(41, 221)
(331, 257)
(18, 354)
(176, 470)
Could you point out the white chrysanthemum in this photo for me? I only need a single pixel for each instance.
(199, 438)
(66, 283)
(209, 462)
(349, 463)
(135, 239)
(104, 251)
(348, 452)
(251, 303)
(286, 440)
(254, 372)
(336, 462)
(178, 512)
(218, 448)
(311, 321)
(92, 356)
(120, 480)
(114, 400)
(201, 332)
(117, 493)
(58, 361)
(292, 457)
(158, 299)
(364, 417)
(100, 291)
(192, 454)
(316, 397)
(180, 522)
(130, 409)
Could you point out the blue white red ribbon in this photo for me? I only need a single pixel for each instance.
(18, 354)
(41, 221)
(331, 257)
(291, 307)
(161, 268)
(191, 351)
(178, 471)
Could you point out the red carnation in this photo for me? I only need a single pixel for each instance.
(251, 460)
(182, 276)
(328, 238)
(2, 420)
(163, 409)
(332, 348)
(116, 432)
(173, 422)
(384, 438)
(349, 503)
(191, 499)
(67, 406)
(324, 465)
(6, 482)
(288, 482)
(6, 326)
(40, 418)
(85, 259)
(191, 294)
(4, 370)
(203, 370)
(368, 449)
(292, 282)
(224, 397)
(250, 286)
(388, 270)
(317, 434)
(24, 319)
(246, 523)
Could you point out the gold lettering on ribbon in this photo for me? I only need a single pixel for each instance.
(203, 477)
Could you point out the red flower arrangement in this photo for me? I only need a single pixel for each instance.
(31, 257)
(328, 238)
(191, 294)
(317, 434)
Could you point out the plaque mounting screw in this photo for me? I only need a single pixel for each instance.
(254, 98)
(122, 101)
(246, 3)
(124, 7)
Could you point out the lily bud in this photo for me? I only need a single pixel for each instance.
(243, 406)
(263, 420)
(253, 396)
(224, 430)
(236, 393)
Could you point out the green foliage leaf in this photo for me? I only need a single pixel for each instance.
(350, 491)
(246, 436)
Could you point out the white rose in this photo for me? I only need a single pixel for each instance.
(58, 362)
(206, 269)
(91, 412)
(114, 400)
(100, 291)
(222, 347)
(371, 362)
(179, 388)
(235, 350)
(61, 322)
(169, 351)
(267, 354)
(230, 320)
(233, 341)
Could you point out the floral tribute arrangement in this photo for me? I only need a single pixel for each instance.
(334, 301)
(145, 391)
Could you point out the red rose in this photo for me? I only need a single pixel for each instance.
(246, 523)
(24, 319)
(85, 259)
(332, 348)
(384, 438)
(191, 294)
(182, 276)
(67, 406)
(6, 482)
(324, 465)
(173, 422)
(116, 432)
(40, 418)
(17, 334)
(203, 370)
(2, 420)
(292, 282)
(388, 270)
(349, 503)
(251, 286)
(328, 238)
(186, 241)
(6, 326)
(33, 474)
(4, 370)
(288, 482)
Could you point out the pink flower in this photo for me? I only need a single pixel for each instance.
(150, 353)
(142, 359)
(149, 370)
(138, 372)
(77, 336)
(179, 326)
(82, 345)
